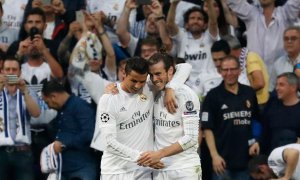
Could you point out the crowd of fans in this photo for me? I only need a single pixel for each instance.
(61, 48)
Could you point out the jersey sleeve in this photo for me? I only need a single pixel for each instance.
(183, 71)
(207, 112)
(94, 84)
(190, 108)
(105, 135)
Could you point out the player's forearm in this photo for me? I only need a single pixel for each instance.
(121, 150)
(182, 73)
(190, 131)
(291, 157)
(94, 84)
(170, 150)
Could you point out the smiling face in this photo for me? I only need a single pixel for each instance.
(230, 72)
(159, 75)
(284, 89)
(196, 23)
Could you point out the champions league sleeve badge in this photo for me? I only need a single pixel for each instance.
(104, 117)
(248, 104)
(143, 97)
(189, 105)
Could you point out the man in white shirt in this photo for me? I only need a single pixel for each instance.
(287, 62)
(265, 25)
(194, 42)
(176, 135)
(124, 126)
(283, 163)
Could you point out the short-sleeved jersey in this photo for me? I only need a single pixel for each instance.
(278, 164)
(205, 82)
(229, 117)
(169, 128)
(128, 118)
(195, 52)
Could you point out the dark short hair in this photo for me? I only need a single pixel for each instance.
(220, 45)
(255, 162)
(35, 11)
(161, 57)
(233, 58)
(194, 9)
(53, 86)
(12, 58)
(136, 64)
(291, 77)
(151, 42)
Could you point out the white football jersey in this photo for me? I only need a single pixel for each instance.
(169, 128)
(124, 129)
(13, 12)
(205, 82)
(195, 51)
(278, 164)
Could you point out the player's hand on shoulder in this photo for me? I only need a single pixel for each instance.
(170, 101)
(111, 89)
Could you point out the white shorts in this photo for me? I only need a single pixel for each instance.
(192, 173)
(133, 175)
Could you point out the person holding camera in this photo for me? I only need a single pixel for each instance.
(34, 26)
(17, 104)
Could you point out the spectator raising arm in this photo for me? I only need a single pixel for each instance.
(122, 24)
(171, 25)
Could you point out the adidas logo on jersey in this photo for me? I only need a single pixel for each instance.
(224, 106)
(123, 109)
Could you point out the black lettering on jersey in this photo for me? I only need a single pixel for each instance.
(166, 123)
(163, 115)
(194, 57)
(136, 120)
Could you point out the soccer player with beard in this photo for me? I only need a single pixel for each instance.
(176, 135)
(124, 127)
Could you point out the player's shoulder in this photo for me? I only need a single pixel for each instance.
(185, 93)
(106, 99)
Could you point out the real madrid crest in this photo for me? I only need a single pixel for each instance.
(248, 104)
(143, 97)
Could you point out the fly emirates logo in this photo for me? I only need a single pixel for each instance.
(137, 118)
(238, 117)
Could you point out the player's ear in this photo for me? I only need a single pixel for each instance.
(170, 71)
